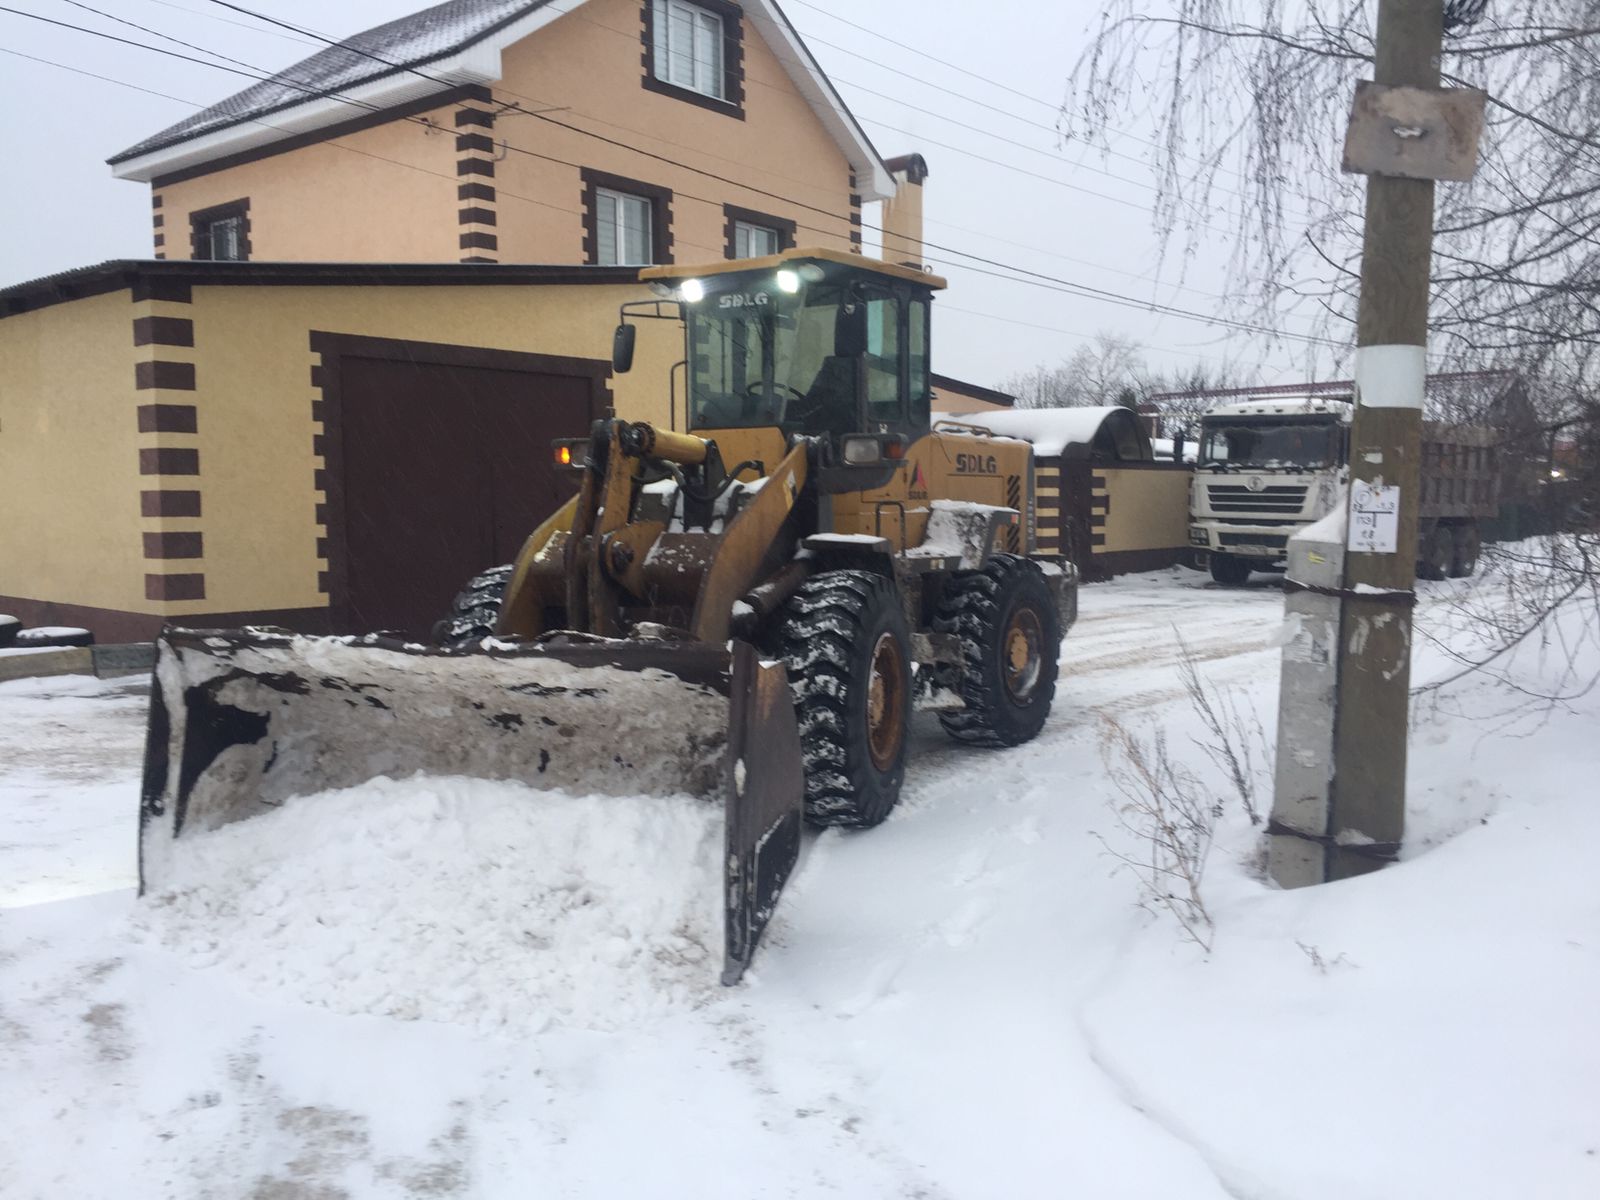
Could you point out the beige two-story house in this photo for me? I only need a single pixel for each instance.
(606, 132)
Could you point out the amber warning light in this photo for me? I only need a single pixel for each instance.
(571, 452)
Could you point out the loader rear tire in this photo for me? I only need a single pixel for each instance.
(475, 609)
(848, 651)
(1010, 642)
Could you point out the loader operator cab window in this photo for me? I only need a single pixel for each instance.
(885, 403)
(813, 356)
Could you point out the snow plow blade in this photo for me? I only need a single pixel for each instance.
(243, 720)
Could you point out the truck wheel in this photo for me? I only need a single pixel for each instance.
(1435, 554)
(1010, 640)
(475, 609)
(846, 645)
(1229, 570)
(1466, 544)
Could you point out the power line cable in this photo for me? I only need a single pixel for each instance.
(251, 26)
(1014, 272)
(334, 143)
(1039, 277)
(943, 307)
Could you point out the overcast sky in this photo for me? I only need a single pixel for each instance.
(1000, 184)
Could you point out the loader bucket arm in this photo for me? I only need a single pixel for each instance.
(243, 721)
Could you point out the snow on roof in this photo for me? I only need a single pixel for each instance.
(1283, 405)
(383, 50)
(1051, 430)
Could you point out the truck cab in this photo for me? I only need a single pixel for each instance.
(1265, 469)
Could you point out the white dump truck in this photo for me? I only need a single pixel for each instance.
(1269, 467)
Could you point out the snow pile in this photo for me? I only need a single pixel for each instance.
(483, 904)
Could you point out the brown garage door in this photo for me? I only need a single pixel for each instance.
(444, 467)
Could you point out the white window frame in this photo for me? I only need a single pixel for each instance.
(699, 66)
(616, 225)
(744, 232)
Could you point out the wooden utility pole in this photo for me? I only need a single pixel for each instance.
(1339, 804)
(1372, 694)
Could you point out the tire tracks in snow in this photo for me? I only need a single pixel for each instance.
(1227, 1177)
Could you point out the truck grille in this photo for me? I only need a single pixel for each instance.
(1272, 541)
(1238, 500)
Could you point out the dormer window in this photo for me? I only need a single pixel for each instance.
(688, 47)
(694, 51)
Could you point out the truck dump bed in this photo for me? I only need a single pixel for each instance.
(1460, 474)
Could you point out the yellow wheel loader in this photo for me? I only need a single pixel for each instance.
(747, 610)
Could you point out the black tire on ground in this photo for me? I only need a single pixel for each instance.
(9, 627)
(1435, 552)
(1229, 570)
(475, 609)
(848, 651)
(1466, 543)
(1010, 640)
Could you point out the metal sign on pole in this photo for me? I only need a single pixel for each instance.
(1339, 797)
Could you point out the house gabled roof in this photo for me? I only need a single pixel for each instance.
(435, 51)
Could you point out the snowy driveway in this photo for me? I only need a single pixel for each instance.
(964, 1003)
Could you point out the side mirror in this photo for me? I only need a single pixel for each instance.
(850, 329)
(622, 348)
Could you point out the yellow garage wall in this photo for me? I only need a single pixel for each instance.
(946, 400)
(382, 194)
(69, 466)
(1147, 509)
(253, 362)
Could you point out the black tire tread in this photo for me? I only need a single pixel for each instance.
(475, 609)
(818, 636)
(971, 609)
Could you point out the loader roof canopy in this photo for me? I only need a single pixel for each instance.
(772, 262)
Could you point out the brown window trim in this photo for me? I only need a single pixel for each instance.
(201, 219)
(732, 214)
(660, 214)
(732, 60)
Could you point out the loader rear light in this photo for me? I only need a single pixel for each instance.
(895, 449)
(572, 452)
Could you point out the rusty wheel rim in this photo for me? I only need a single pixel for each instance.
(886, 709)
(1021, 661)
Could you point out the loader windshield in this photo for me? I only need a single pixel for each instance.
(760, 355)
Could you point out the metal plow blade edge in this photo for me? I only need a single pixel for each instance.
(242, 721)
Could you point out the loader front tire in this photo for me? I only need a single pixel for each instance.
(475, 609)
(1010, 641)
(845, 643)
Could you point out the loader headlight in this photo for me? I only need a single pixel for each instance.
(692, 290)
(788, 281)
(862, 451)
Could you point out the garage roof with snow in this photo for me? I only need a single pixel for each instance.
(1111, 434)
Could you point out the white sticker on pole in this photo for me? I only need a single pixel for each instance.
(1374, 518)
(1391, 376)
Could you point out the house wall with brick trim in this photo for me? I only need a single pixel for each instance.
(495, 173)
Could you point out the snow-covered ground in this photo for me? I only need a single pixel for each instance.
(435, 988)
